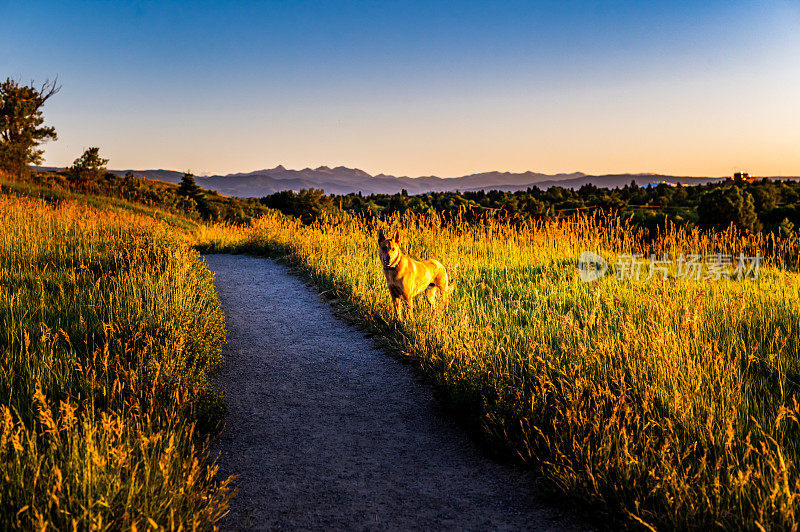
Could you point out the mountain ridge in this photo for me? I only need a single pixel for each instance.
(344, 180)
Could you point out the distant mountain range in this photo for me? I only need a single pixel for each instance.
(342, 180)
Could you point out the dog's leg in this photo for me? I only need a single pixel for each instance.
(409, 306)
(444, 285)
(397, 311)
(446, 291)
(430, 294)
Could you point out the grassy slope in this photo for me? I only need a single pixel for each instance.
(105, 203)
(671, 403)
(109, 329)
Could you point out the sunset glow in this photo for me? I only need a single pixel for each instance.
(414, 89)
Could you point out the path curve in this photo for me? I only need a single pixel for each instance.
(326, 432)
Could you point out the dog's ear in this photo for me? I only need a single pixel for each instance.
(397, 237)
(381, 238)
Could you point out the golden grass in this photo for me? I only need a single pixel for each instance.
(109, 328)
(670, 402)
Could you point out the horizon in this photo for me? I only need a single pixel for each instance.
(418, 89)
(334, 167)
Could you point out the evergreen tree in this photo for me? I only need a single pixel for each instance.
(188, 187)
(21, 124)
(88, 167)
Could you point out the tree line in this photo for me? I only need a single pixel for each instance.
(763, 205)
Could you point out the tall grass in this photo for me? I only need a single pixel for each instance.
(109, 328)
(671, 403)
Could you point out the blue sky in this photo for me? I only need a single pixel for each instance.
(413, 88)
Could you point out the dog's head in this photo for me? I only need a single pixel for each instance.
(389, 249)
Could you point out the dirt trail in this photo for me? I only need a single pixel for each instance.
(326, 432)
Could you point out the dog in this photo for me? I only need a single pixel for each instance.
(406, 278)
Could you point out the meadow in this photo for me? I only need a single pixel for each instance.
(658, 403)
(109, 331)
(668, 404)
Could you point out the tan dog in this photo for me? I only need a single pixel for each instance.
(406, 278)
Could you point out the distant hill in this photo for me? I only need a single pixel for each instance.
(615, 181)
(343, 180)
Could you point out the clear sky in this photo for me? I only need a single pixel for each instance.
(417, 87)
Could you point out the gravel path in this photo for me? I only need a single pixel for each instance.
(326, 432)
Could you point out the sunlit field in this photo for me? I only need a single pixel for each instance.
(671, 403)
(109, 330)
